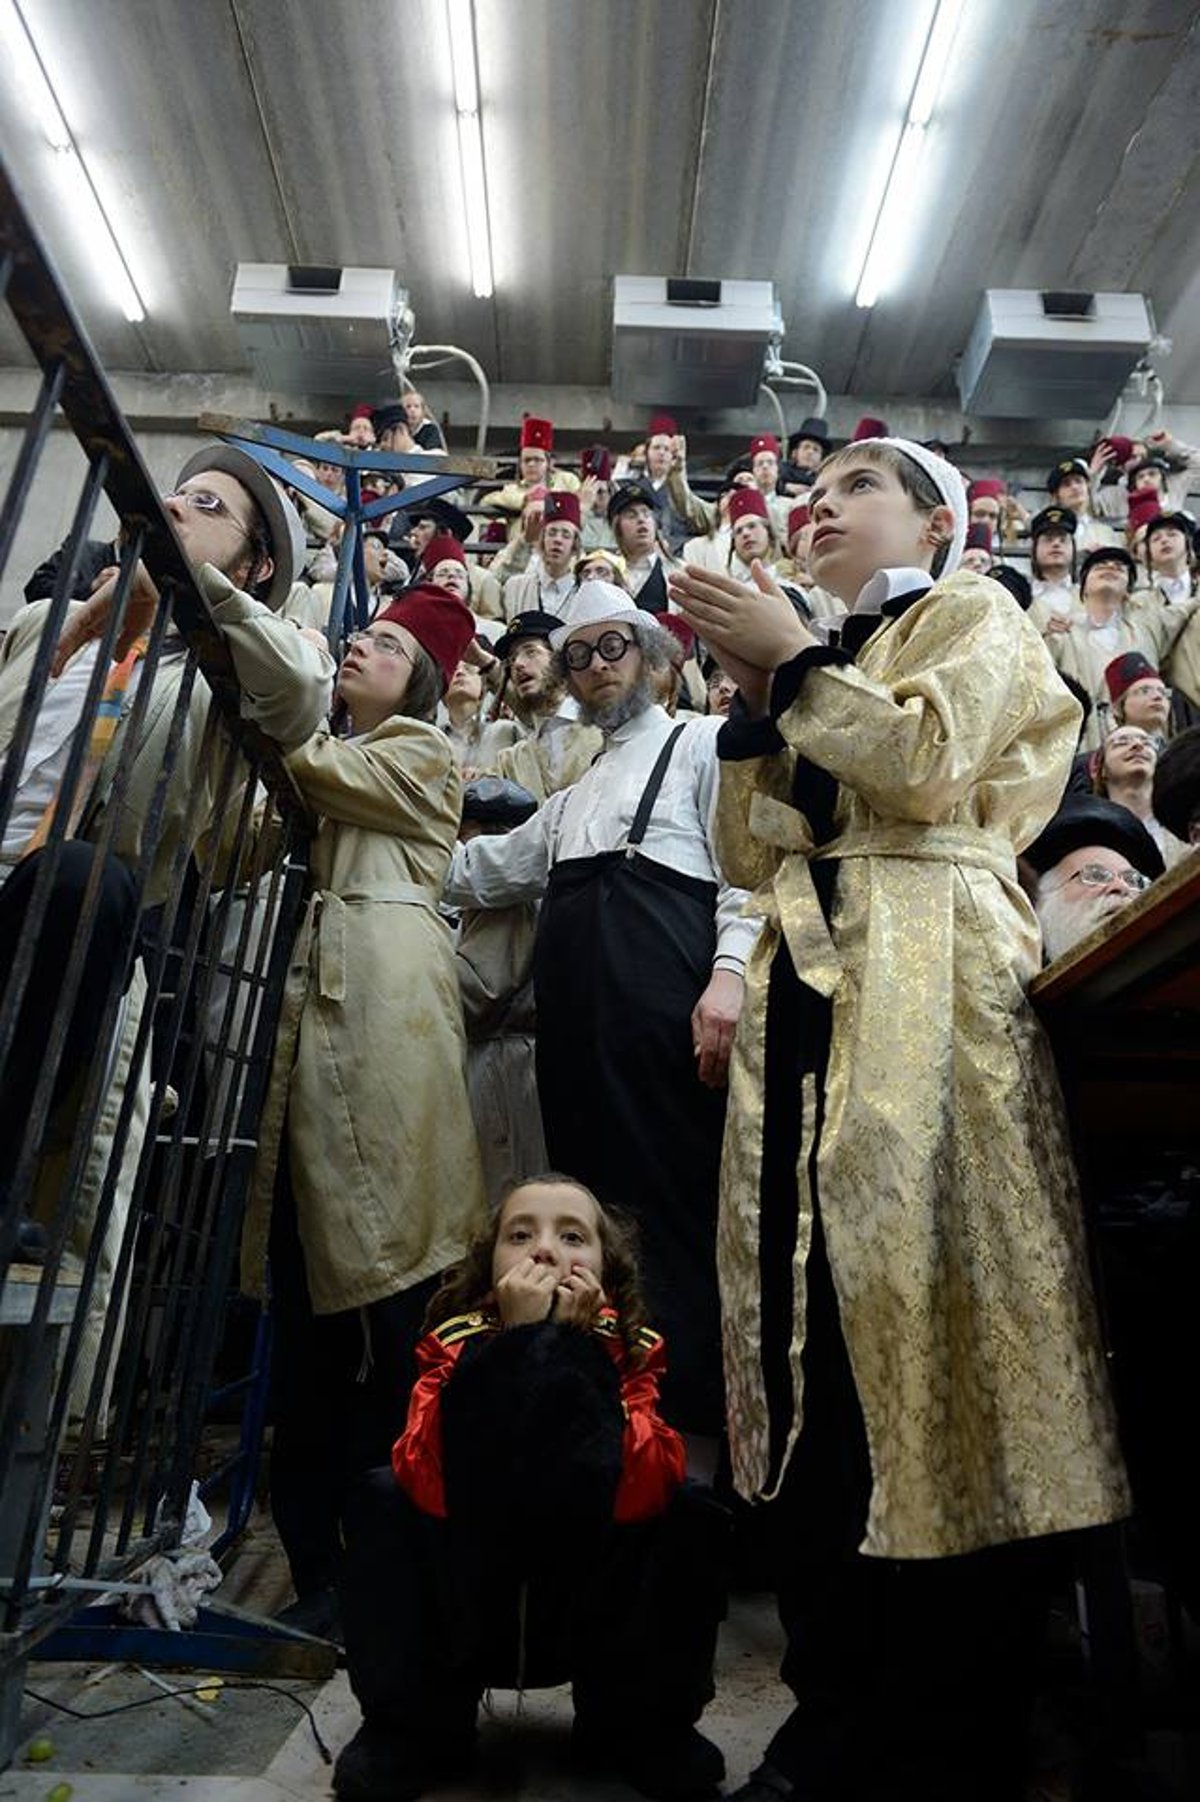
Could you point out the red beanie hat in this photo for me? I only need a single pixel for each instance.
(677, 626)
(797, 519)
(439, 622)
(748, 500)
(1121, 447)
(537, 434)
(987, 488)
(764, 442)
(363, 411)
(561, 503)
(494, 532)
(441, 547)
(870, 428)
(1144, 506)
(979, 537)
(662, 426)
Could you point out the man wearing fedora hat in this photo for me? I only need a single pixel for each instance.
(556, 746)
(1092, 859)
(245, 542)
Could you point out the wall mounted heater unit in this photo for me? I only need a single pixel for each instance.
(322, 330)
(1053, 355)
(691, 343)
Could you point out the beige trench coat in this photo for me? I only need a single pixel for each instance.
(946, 1188)
(368, 1078)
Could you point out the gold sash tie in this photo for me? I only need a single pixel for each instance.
(788, 900)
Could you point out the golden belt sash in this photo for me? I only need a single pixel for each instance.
(788, 900)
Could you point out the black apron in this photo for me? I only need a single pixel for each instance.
(652, 595)
(624, 951)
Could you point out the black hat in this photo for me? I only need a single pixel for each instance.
(384, 418)
(816, 429)
(1053, 519)
(526, 625)
(1091, 820)
(1016, 584)
(494, 801)
(1069, 466)
(1177, 783)
(1108, 553)
(1179, 521)
(1135, 469)
(444, 514)
(632, 494)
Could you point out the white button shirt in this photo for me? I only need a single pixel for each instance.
(595, 816)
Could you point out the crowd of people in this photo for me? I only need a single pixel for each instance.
(657, 1114)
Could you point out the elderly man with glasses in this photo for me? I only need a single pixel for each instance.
(637, 973)
(1092, 860)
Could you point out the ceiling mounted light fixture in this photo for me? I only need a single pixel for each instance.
(92, 223)
(470, 144)
(894, 218)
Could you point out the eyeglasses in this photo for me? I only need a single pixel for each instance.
(203, 500)
(379, 641)
(1098, 875)
(611, 646)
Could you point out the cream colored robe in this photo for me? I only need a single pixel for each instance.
(369, 1067)
(947, 1193)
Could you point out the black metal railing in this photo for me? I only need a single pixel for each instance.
(134, 1160)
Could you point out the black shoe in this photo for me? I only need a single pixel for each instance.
(766, 1784)
(316, 1613)
(675, 1765)
(386, 1764)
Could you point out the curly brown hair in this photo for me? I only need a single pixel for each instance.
(467, 1285)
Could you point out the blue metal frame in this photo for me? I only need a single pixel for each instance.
(268, 445)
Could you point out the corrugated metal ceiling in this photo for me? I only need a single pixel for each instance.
(710, 137)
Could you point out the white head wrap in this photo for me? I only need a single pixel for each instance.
(593, 602)
(949, 484)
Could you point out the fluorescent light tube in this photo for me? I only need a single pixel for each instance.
(87, 213)
(470, 145)
(894, 218)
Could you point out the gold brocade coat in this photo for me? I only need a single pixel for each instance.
(947, 1193)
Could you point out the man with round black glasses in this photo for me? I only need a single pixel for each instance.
(1092, 860)
(637, 972)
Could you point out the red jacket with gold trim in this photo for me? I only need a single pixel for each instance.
(652, 1458)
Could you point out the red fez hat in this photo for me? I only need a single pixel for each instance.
(439, 622)
(561, 504)
(1144, 506)
(764, 442)
(869, 428)
(979, 536)
(677, 626)
(987, 488)
(797, 518)
(495, 532)
(748, 500)
(662, 426)
(362, 411)
(442, 547)
(1121, 447)
(537, 434)
(1125, 670)
(597, 461)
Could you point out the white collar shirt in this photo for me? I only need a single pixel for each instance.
(595, 816)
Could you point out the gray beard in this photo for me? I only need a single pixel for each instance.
(1066, 922)
(610, 719)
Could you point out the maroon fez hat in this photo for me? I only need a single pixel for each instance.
(439, 622)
